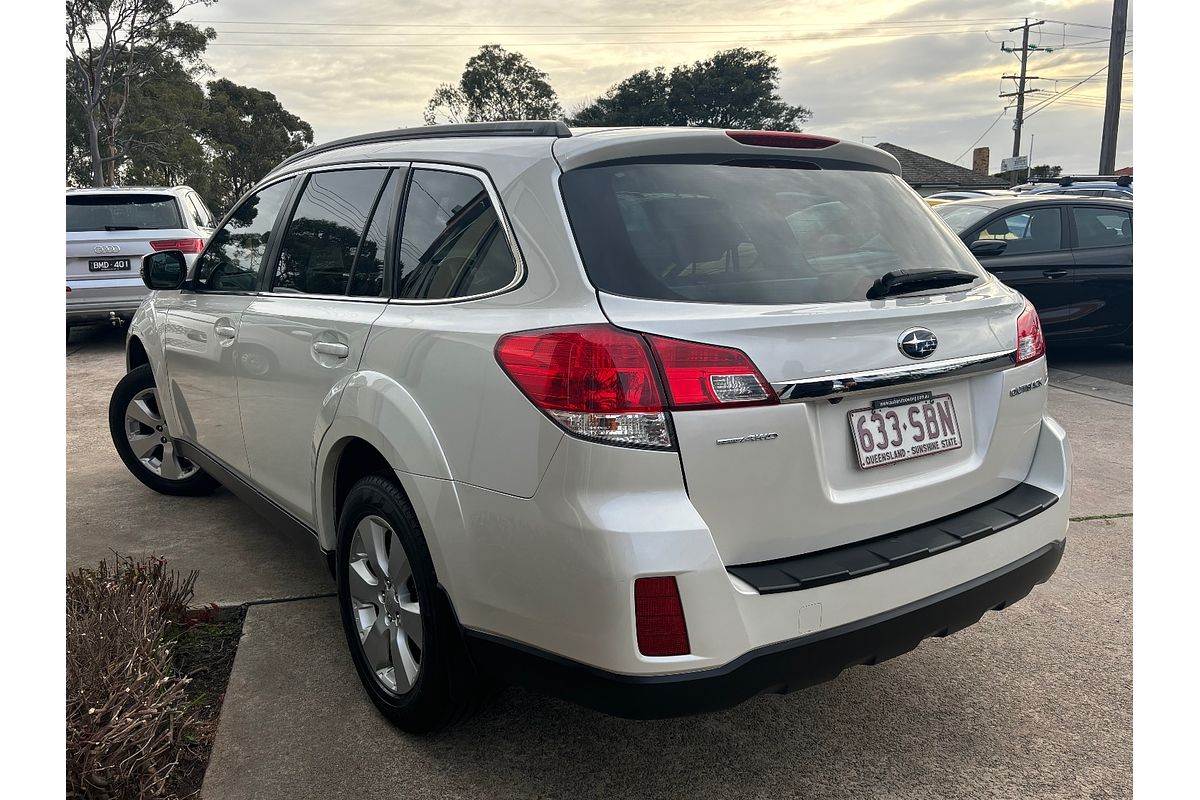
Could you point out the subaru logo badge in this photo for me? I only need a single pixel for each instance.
(917, 343)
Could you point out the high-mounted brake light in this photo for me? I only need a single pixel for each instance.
(182, 245)
(1031, 344)
(707, 376)
(596, 381)
(798, 141)
(661, 628)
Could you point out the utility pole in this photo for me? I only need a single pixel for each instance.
(1112, 100)
(1021, 80)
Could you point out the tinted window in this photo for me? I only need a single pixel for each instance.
(235, 253)
(195, 217)
(750, 234)
(321, 242)
(368, 274)
(1103, 227)
(100, 212)
(452, 242)
(1035, 231)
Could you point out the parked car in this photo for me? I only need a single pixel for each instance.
(970, 194)
(578, 410)
(1119, 187)
(110, 231)
(1071, 256)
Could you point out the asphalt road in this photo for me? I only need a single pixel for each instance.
(1112, 362)
(1032, 702)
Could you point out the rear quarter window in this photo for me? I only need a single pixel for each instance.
(98, 212)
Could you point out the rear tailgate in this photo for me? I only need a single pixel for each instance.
(781, 480)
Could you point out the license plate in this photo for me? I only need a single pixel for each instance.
(903, 428)
(109, 264)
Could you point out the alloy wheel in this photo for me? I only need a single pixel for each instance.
(383, 596)
(152, 445)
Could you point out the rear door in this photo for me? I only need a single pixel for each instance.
(203, 323)
(1037, 261)
(307, 330)
(776, 262)
(1102, 244)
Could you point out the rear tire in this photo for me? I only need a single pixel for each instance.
(402, 634)
(140, 435)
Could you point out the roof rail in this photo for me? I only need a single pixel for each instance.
(1067, 180)
(555, 128)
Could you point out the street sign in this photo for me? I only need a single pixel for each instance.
(1014, 164)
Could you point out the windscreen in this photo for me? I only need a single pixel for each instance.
(101, 212)
(736, 233)
(959, 218)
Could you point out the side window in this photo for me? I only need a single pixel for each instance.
(1036, 231)
(452, 244)
(1102, 227)
(321, 241)
(235, 254)
(194, 216)
(205, 214)
(366, 280)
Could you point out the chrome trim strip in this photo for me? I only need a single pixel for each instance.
(825, 387)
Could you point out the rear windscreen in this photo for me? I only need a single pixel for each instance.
(729, 233)
(99, 212)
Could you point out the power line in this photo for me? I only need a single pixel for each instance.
(1039, 106)
(717, 25)
(985, 133)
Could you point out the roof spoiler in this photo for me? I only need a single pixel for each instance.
(555, 128)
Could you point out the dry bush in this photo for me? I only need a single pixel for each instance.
(128, 719)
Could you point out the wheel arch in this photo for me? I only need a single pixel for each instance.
(135, 353)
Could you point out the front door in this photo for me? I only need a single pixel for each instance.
(1103, 249)
(200, 338)
(1036, 262)
(307, 332)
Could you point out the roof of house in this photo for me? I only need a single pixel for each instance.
(918, 169)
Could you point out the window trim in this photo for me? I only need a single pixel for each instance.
(1075, 245)
(272, 247)
(1064, 235)
(519, 273)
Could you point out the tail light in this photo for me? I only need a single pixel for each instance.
(68, 290)
(601, 383)
(797, 141)
(661, 628)
(1031, 344)
(183, 245)
(707, 376)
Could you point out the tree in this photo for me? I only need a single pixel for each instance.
(495, 85)
(736, 88)
(114, 48)
(247, 132)
(1045, 171)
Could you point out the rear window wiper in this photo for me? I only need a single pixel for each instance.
(120, 227)
(900, 281)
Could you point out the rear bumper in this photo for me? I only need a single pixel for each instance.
(780, 667)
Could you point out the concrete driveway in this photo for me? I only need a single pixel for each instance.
(1033, 702)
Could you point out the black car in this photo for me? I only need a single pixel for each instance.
(1071, 256)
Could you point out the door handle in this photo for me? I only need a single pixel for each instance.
(225, 331)
(1055, 273)
(336, 349)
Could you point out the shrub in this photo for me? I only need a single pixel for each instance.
(128, 719)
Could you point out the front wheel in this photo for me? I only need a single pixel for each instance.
(399, 626)
(140, 435)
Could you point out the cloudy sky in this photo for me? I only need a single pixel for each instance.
(924, 74)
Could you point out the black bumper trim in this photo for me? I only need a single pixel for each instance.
(781, 667)
(894, 549)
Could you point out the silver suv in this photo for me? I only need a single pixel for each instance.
(110, 231)
(652, 419)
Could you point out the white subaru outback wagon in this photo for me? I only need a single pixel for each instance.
(655, 420)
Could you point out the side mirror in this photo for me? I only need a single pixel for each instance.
(165, 270)
(982, 248)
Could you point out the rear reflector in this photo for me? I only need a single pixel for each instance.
(798, 141)
(1031, 344)
(661, 628)
(182, 245)
(596, 381)
(707, 376)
